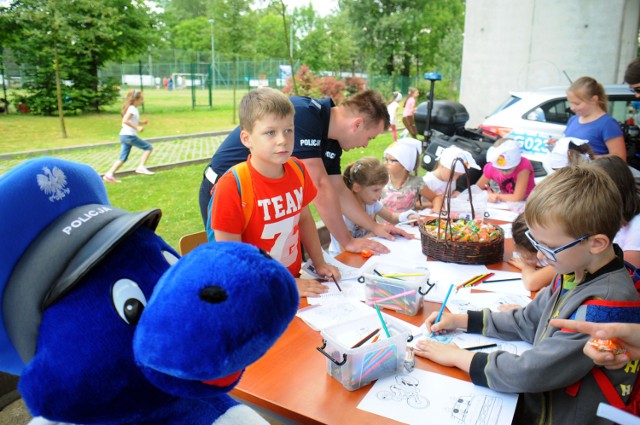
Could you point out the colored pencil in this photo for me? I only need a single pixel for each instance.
(366, 338)
(444, 303)
(336, 282)
(503, 280)
(384, 325)
(480, 347)
(482, 279)
(471, 281)
(393, 297)
(374, 366)
(402, 274)
(466, 282)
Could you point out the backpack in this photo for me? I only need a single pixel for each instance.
(612, 311)
(244, 184)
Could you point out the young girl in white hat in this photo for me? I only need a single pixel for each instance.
(403, 189)
(436, 180)
(509, 170)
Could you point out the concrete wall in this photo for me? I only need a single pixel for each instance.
(527, 44)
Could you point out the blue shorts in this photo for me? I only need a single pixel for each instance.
(127, 141)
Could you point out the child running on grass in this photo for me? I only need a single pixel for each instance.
(131, 126)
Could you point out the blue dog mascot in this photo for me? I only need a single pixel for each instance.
(105, 324)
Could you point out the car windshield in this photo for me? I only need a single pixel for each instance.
(512, 99)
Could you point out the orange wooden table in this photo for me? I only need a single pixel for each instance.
(291, 379)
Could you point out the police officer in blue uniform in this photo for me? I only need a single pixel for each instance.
(322, 131)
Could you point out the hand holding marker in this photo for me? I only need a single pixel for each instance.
(444, 304)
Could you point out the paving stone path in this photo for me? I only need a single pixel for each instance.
(167, 152)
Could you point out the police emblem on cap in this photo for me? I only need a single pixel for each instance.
(53, 182)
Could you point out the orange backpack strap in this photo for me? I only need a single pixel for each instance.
(245, 190)
(245, 186)
(297, 168)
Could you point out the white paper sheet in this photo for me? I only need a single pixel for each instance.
(515, 287)
(402, 250)
(444, 274)
(320, 317)
(498, 214)
(346, 272)
(425, 397)
(351, 289)
(465, 300)
(465, 340)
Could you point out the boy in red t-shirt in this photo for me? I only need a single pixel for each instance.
(280, 218)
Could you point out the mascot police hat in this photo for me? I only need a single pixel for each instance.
(56, 223)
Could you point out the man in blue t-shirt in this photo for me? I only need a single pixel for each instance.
(322, 132)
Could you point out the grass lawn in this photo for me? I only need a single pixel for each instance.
(169, 113)
(174, 191)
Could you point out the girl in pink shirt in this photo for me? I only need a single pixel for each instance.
(409, 110)
(512, 173)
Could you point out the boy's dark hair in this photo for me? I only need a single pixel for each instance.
(367, 171)
(260, 102)
(518, 227)
(632, 74)
(618, 170)
(583, 199)
(371, 106)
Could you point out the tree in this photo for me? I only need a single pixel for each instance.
(282, 10)
(87, 34)
(236, 33)
(384, 30)
(192, 34)
(394, 35)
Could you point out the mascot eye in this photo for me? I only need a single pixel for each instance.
(171, 259)
(128, 300)
(265, 253)
(213, 294)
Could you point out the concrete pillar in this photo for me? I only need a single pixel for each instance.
(528, 44)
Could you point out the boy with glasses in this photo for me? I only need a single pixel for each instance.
(572, 215)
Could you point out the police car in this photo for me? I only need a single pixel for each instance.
(532, 117)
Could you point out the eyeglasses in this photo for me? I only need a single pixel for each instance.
(551, 254)
(635, 90)
(390, 160)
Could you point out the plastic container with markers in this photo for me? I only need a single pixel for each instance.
(395, 287)
(357, 354)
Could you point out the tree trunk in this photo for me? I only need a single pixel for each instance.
(59, 89)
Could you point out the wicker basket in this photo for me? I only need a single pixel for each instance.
(444, 248)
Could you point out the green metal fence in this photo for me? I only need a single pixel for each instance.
(245, 74)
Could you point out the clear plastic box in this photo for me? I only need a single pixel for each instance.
(402, 286)
(356, 367)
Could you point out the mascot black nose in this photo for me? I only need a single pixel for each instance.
(213, 294)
